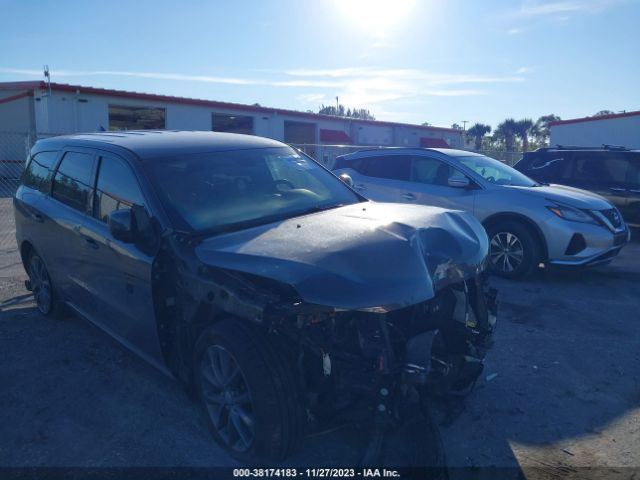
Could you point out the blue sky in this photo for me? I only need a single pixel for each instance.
(405, 60)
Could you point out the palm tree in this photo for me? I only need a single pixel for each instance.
(522, 130)
(506, 132)
(540, 129)
(478, 131)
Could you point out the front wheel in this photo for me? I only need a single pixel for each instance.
(247, 391)
(513, 250)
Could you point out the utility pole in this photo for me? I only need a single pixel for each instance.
(47, 75)
(337, 105)
(464, 125)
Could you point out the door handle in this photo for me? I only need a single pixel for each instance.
(91, 242)
(409, 196)
(359, 186)
(37, 217)
(618, 190)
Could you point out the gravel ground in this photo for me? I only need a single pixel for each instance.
(561, 389)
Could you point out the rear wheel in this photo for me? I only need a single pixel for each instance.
(247, 391)
(513, 249)
(44, 294)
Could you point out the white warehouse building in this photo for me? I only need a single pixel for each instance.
(616, 129)
(38, 109)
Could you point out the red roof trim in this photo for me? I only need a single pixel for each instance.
(433, 143)
(595, 119)
(63, 87)
(337, 136)
(15, 97)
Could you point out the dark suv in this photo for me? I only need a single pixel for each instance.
(255, 276)
(613, 172)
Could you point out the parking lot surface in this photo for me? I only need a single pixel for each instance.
(561, 388)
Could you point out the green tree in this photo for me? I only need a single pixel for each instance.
(341, 111)
(604, 112)
(477, 132)
(506, 132)
(522, 131)
(540, 129)
(425, 124)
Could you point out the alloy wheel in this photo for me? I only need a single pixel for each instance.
(506, 252)
(227, 398)
(40, 285)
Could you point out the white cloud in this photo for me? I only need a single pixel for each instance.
(315, 98)
(356, 87)
(561, 7)
(514, 31)
(524, 70)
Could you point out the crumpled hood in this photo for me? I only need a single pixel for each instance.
(359, 257)
(571, 196)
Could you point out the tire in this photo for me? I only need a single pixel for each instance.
(514, 251)
(257, 416)
(44, 293)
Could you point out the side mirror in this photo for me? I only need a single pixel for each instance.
(458, 181)
(346, 178)
(122, 226)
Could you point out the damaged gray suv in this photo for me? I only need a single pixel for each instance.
(274, 292)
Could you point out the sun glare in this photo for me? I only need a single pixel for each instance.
(375, 15)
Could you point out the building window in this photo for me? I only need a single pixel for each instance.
(223, 122)
(136, 118)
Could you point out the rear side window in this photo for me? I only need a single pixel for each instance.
(633, 176)
(393, 167)
(117, 188)
(72, 182)
(38, 173)
(599, 167)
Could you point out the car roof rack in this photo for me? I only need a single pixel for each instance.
(604, 146)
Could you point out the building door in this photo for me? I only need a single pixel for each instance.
(301, 133)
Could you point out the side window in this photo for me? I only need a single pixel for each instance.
(599, 168)
(393, 167)
(117, 188)
(633, 174)
(72, 181)
(432, 171)
(549, 167)
(37, 175)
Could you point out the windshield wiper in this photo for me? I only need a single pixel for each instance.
(319, 208)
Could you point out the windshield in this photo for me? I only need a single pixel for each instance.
(224, 191)
(494, 171)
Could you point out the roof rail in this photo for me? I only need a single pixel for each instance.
(614, 147)
(604, 146)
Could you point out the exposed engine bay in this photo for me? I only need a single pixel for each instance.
(437, 346)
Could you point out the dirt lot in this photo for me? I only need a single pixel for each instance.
(566, 394)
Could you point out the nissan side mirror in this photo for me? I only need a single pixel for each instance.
(346, 178)
(458, 181)
(122, 226)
